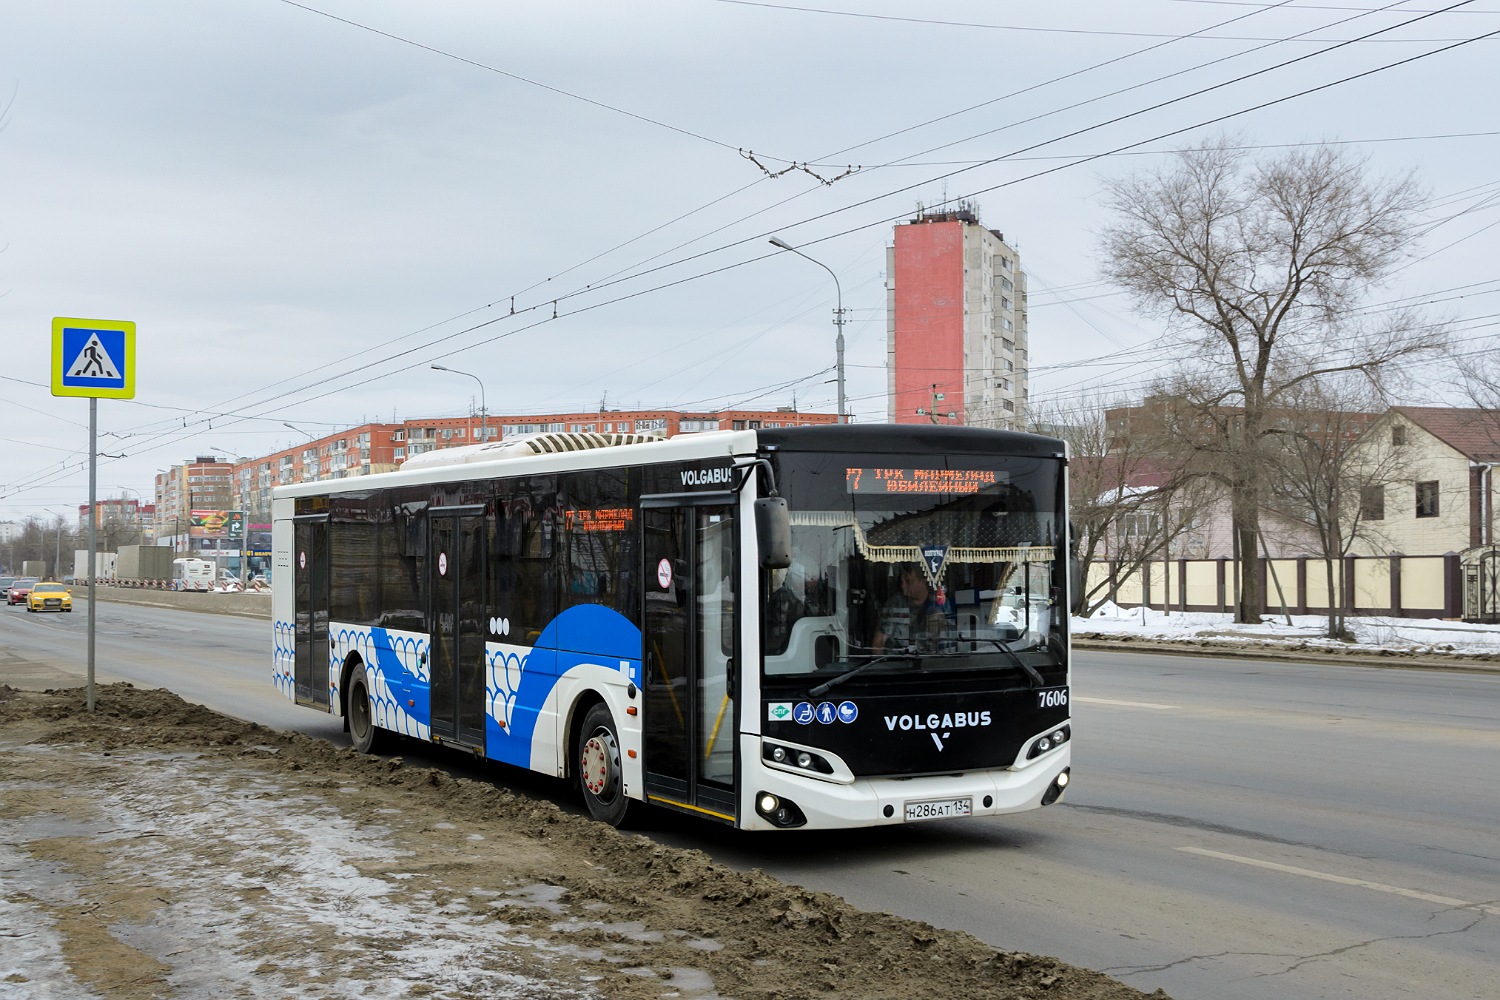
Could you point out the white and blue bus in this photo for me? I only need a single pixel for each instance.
(810, 627)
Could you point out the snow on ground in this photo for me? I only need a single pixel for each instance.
(1406, 635)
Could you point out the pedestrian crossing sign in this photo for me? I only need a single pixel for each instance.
(93, 357)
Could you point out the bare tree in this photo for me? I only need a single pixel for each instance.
(1257, 264)
(1127, 503)
(1330, 478)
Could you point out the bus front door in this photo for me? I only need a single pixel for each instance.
(310, 667)
(456, 623)
(689, 640)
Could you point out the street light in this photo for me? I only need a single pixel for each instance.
(483, 426)
(838, 316)
(299, 430)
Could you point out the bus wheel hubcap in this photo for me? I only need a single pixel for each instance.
(598, 763)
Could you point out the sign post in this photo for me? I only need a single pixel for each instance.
(93, 358)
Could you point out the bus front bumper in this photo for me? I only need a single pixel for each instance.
(810, 803)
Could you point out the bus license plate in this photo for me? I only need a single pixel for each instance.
(938, 808)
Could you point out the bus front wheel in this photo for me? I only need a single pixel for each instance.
(366, 735)
(599, 773)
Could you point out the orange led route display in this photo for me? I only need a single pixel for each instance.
(949, 481)
(603, 519)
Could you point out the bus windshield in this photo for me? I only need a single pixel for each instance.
(926, 562)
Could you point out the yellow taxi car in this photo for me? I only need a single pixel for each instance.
(49, 597)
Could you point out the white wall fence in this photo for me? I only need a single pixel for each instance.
(1399, 586)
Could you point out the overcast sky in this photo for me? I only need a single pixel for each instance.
(303, 206)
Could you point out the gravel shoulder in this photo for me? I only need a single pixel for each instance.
(158, 849)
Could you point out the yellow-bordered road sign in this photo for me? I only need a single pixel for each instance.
(93, 357)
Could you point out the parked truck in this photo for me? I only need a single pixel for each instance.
(104, 565)
(34, 567)
(144, 566)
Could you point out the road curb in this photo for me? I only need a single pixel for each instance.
(1390, 659)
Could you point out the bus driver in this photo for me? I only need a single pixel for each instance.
(912, 618)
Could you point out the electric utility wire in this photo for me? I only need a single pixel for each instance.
(1216, 120)
(1056, 79)
(1478, 38)
(1243, 111)
(1130, 356)
(1085, 158)
(712, 232)
(1100, 97)
(733, 265)
(1164, 77)
(1001, 27)
(1240, 147)
(1088, 385)
(731, 194)
(521, 79)
(1310, 6)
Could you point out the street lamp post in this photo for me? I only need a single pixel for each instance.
(483, 426)
(838, 317)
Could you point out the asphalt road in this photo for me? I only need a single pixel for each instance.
(1235, 829)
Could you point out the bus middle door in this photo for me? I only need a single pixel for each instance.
(689, 639)
(456, 622)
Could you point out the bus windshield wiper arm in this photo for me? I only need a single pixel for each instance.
(1037, 680)
(832, 682)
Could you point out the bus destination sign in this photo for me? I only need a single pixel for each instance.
(952, 482)
(602, 519)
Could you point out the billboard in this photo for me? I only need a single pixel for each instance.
(216, 523)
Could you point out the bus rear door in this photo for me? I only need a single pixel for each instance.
(311, 594)
(690, 642)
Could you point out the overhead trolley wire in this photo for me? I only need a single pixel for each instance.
(668, 284)
(365, 351)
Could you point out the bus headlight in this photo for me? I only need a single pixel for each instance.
(1051, 741)
(804, 760)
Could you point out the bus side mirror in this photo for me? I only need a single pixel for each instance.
(1077, 601)
(1075, 585)
(773, 532)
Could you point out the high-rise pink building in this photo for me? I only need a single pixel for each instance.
(956, 324)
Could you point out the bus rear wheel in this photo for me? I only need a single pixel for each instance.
(367, 736)
(600, 776)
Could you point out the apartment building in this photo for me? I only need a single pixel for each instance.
(382, 447)
(956, 349)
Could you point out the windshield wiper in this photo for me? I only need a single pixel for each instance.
(832, 682)
(1037, 680)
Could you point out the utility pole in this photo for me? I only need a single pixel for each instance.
(931, 412)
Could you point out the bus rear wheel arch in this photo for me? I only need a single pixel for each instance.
(601, 776)
(359, 712)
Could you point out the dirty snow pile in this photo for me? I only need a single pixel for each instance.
(1409, 636)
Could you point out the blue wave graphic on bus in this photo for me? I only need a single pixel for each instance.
(284, 658)
(396, 666)
(520, 680)
(409, 689)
